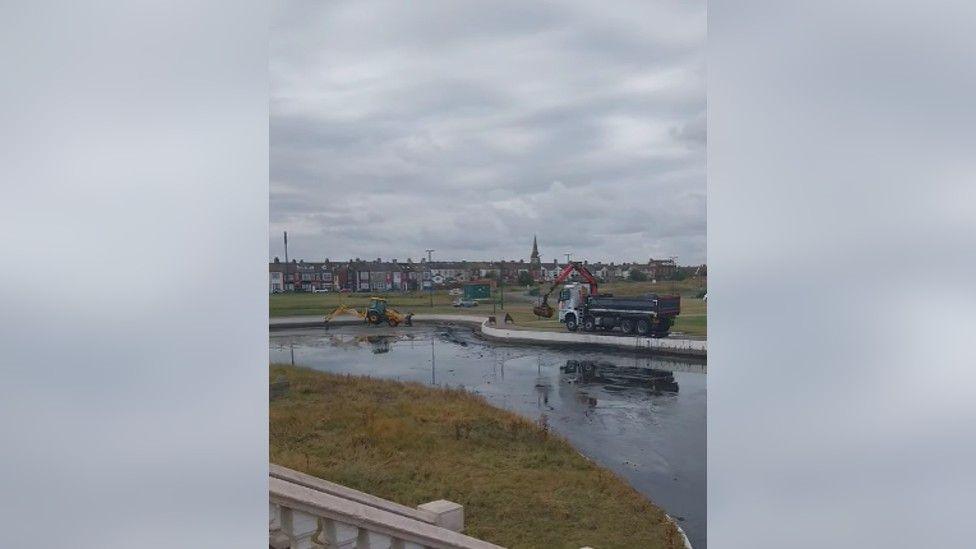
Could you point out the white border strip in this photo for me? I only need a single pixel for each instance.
(670, 345)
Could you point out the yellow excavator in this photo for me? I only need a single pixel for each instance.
(377, 312)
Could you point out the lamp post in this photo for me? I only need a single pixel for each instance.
(430, 277)
(674, 273)
(284, 284)
(501, 283)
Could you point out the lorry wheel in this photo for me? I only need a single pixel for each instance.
(627, 326)
(662, 329)
(643, 327)
(589, 325)
(571, 324)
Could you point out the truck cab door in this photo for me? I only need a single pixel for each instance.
(565, 297)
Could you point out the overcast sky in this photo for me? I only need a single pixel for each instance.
(468, 127)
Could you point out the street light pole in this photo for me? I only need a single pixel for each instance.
(430, 277)
(501, 282)
(674, 273)
(284, 284)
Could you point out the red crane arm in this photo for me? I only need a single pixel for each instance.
(568, 270)
(588, 276)
(563, 275)
(544, 309)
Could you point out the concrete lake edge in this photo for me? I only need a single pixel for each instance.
(668, 346)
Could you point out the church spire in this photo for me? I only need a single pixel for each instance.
(535, 248)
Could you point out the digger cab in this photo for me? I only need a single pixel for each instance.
(377, 304)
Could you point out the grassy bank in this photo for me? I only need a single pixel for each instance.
(692, 320)
(520, 486)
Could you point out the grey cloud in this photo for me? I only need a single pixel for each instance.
(398, 127)
(693, 132)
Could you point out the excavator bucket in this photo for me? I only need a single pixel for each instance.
(544, 310)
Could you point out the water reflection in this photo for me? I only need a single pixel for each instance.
(379, 344)
(543, 386)
(614, 378)
(376, 343)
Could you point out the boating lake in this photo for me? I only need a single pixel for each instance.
(640, 416)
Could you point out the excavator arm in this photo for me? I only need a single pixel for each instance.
(392, 316)
(546, 310)
(343, 309)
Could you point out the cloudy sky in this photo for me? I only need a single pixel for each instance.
(467, 127)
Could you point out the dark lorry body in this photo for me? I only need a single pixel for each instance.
(647, 315)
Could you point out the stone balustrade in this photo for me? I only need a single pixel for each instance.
(308, 512)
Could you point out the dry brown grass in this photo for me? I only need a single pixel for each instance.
(521, 486)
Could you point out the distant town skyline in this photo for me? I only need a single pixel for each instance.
(398, 127)
(422, 257)
(387, 274)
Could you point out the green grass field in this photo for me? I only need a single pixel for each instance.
(520, 485)
(692, 320)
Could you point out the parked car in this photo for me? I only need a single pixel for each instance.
(459, 302)
(321, 291)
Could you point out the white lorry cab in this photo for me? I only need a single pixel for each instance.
(572, 297)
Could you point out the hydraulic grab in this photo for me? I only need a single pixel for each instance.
(546, 310)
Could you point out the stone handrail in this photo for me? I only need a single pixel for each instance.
(313, 513)
(302, 479)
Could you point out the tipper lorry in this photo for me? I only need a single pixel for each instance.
(580, 305)
(648, 315)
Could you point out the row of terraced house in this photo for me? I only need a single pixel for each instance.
(357, 275)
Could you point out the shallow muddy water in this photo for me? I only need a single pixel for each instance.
(642, 417)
